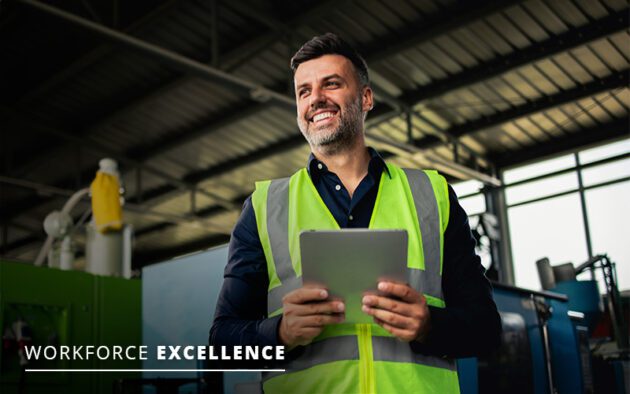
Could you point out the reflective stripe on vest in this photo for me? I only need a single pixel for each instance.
(277, 225)
(428, 281)
(347, 348)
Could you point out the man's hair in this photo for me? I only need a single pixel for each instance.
(331, 44)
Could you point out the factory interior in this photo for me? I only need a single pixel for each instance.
(184, 104)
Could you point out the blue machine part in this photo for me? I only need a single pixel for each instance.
(583, 297)
(521, 303)
(520, 366)
(564, 346)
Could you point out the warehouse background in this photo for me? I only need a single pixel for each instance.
(206, 110)
(523, 105)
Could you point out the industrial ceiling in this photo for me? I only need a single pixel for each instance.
(193, 98)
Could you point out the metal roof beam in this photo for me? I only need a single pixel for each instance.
(165, 56)
(215, 123)
(554, 45)
(456, 16)
(434, 30)
(95, 54)
(574, 141)
(613, 81)
(98, 149)
(595, 30)
(557, 48)
(198, 221)
(229, 61)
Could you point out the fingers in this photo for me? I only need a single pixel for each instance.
(311, 301)
(305, 313)
(402, 291)
(404, 334)
(403, 312)
(320, 308)
(304, 295)
(402, 308)
(391, 318)
(403, 327)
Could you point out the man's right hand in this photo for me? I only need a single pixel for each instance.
(306, 312)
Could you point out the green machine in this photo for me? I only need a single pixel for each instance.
(54, 307)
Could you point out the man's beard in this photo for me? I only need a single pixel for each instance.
(339, 139)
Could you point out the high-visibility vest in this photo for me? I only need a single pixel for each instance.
(357, 358)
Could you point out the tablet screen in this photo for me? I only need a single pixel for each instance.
(351, 262)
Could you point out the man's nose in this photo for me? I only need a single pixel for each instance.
(317, 98)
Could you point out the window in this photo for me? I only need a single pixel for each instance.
(550, 228)
(609, 217)
(604, 152)
(541, 188)
(470, 197)
(546, 216)
(473, 205)
(536, 169)
(466, 188)
(606, 172)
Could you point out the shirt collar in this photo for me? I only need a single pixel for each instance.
(375, 166)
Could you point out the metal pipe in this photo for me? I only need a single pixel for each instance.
(67, 207)
(95, 147)
(194, 222)
(173, 59)
(446, 166)
(587, 227)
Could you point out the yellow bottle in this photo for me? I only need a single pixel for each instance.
(105, 189)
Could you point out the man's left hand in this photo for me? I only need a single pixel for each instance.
(403, 311)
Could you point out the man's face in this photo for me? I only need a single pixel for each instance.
(330, 102)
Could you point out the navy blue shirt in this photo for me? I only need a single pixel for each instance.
(469, 325)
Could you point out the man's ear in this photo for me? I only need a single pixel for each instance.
(367, 99)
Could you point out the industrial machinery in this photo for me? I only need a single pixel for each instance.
(41, 306)
(58, 305)
(542, 350)
(108, 239)
(553, 340)
(606, 322)
(563, 339)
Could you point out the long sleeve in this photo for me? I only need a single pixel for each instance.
(240, 317)
(470, 324)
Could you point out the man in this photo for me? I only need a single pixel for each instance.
(446, 310)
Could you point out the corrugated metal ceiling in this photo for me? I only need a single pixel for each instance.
(497, 78)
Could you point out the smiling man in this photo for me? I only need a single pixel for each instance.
(443, 312)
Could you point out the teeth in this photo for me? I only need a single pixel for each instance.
(321, 116)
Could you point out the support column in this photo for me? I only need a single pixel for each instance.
(501, 250)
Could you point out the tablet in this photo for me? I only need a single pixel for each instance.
(350, 262)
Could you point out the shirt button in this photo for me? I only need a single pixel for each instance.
(320, 166)
(350, 217)
(338, 187)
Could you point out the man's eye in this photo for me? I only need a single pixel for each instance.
(303, 92)
(332, 83)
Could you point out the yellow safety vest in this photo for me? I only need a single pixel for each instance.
(357, 358)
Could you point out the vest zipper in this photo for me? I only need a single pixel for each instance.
(366, 359)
